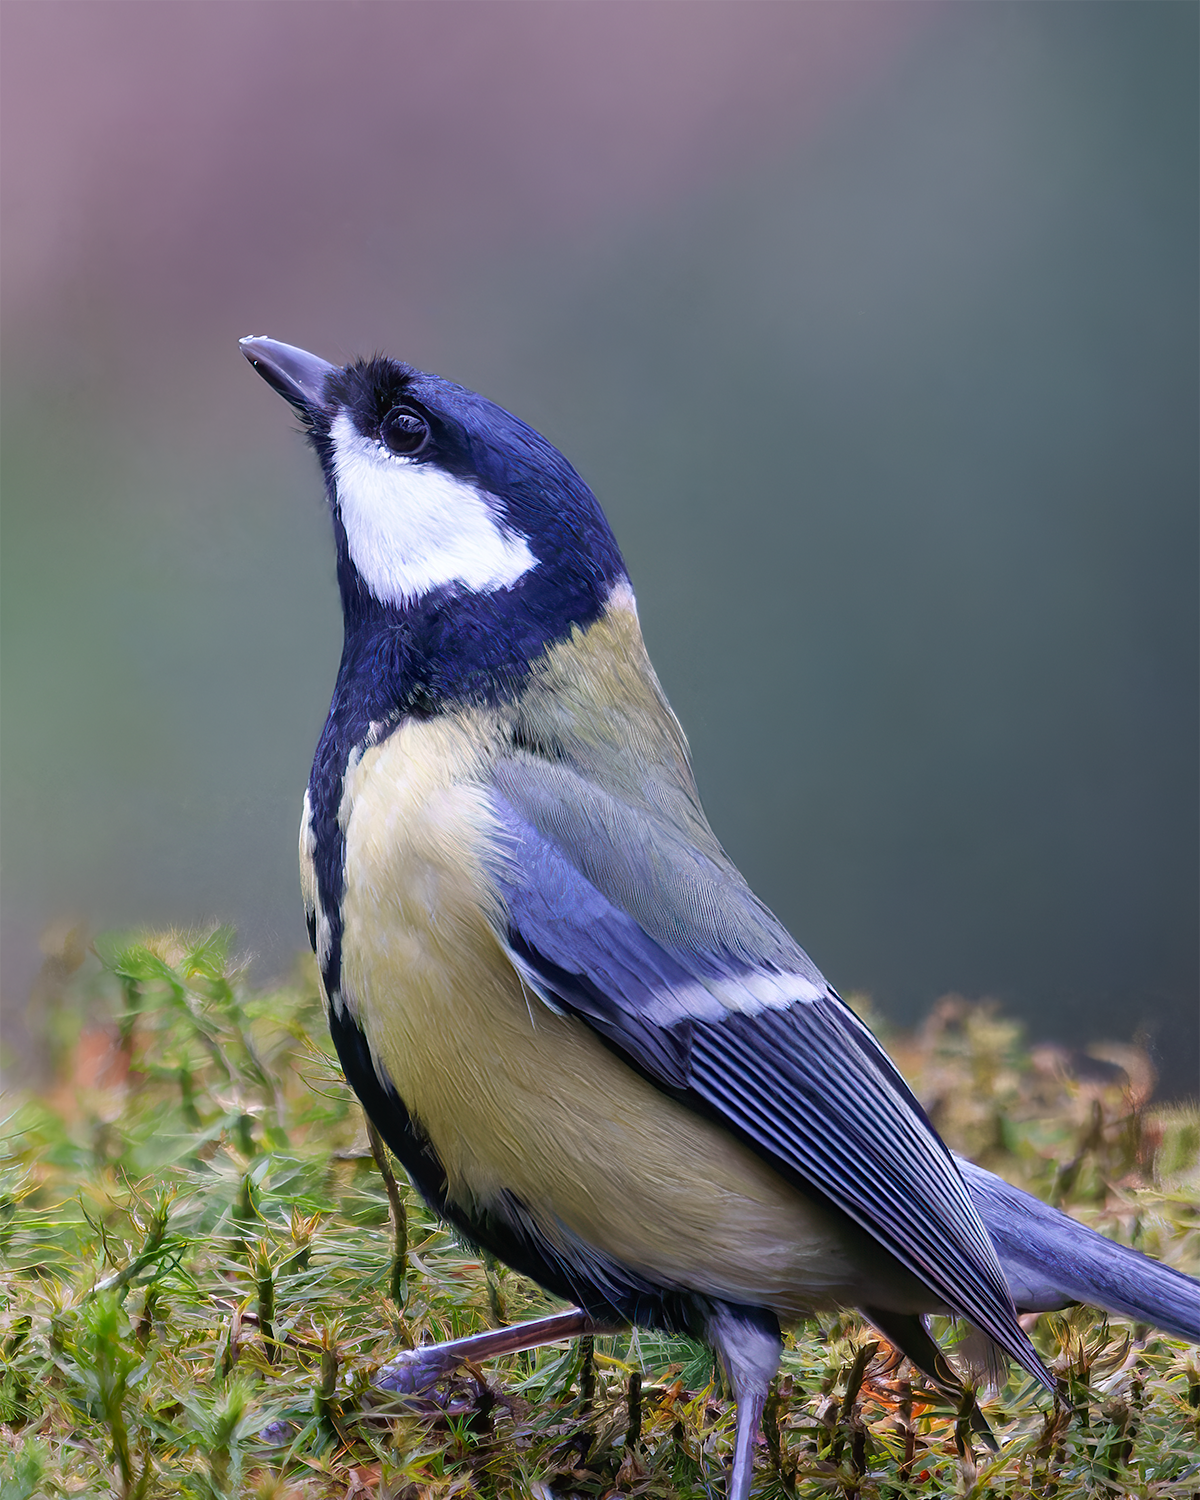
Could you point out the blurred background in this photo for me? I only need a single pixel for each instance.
(873, 327)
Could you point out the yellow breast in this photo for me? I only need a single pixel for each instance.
(517, 1098)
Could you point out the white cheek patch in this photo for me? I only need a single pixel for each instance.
(412, 528)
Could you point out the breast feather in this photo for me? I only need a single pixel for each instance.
(517, 1099)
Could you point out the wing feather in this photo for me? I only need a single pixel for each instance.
(672, 960)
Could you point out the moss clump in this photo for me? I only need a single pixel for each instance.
(202, 1265)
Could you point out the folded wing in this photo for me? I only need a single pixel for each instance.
(658, 945)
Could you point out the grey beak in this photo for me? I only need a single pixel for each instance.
(298, 376)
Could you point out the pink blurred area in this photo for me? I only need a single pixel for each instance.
(871, 323)
(192, 157)
(341, 175)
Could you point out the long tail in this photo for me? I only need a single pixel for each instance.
(1050, 1260)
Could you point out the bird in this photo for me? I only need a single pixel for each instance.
(597, 1054)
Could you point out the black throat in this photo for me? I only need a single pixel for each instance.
(447, 650)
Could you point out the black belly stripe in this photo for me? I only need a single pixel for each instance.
(609, 1291)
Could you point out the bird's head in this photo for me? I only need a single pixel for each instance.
(443, 500)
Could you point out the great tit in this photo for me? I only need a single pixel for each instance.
(596, 1052)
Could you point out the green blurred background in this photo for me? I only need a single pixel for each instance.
(873, 326)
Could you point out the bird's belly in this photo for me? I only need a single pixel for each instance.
(519, 1100)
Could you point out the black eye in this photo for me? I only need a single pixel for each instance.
(404, 430)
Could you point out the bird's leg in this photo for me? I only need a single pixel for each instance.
(418, 1369)
(748, 1341)
(909, 1334)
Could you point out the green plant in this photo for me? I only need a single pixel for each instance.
(204, 1258)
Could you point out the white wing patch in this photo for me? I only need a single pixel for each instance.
(711, 1000)
(412, 528)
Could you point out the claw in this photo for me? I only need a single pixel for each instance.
(417, 1371)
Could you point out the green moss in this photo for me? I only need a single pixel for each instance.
(202, 1266)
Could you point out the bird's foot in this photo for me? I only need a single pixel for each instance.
(417, 1371)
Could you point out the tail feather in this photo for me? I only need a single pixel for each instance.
(1050, 1261)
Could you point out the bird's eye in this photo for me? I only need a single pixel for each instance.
(404, 430)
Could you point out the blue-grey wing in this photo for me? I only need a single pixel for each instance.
(617, 916)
